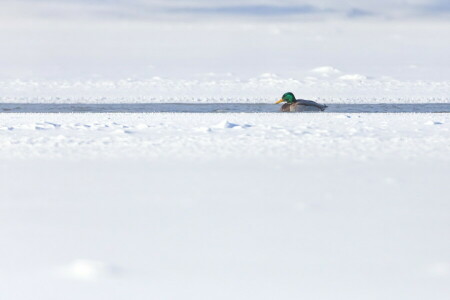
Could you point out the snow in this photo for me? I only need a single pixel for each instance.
(224, 206)
(355, 77)
(296, 137)
(347, 204)
(326, 71)
(223, 60)
(349, 88)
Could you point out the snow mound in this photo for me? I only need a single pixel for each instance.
(225, 124)
(353, 77)
(326, 71)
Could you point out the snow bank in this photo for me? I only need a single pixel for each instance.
(349, 88)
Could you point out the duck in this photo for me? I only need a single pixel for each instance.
(293, 104)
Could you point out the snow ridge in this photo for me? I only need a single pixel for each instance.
(342, 88)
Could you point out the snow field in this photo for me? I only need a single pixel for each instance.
(224, 206)
(184, 136)
(241, 230)
(264, 88)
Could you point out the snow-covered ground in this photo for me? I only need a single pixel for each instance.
(264, 88)
(224, 206)
(261, 137)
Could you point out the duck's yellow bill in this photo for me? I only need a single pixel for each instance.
(279, 101)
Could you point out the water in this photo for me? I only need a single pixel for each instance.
(216, 108)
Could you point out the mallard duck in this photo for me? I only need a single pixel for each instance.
(293, 104)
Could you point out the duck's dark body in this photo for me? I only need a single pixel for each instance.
(302, 105)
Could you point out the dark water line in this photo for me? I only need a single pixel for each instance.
(216, 108)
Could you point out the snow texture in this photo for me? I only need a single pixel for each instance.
(350, 88)
(296, 137)
(224, 206)
(223, 60)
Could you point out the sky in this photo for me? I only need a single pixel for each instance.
(142, 9)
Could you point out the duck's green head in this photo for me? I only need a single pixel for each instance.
(287, 97)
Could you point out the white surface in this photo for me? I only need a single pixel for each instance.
(297, 137)
(224, 206)
(266, 88)
(63, 60)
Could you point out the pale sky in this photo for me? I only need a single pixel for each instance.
(141, 9)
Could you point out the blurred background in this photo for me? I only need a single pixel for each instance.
(184, 51)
